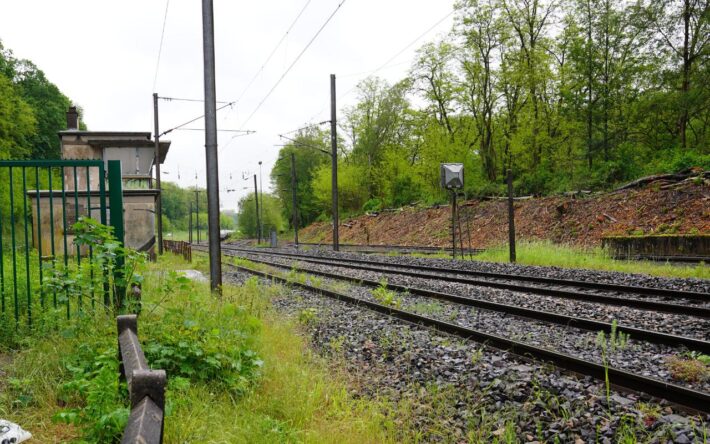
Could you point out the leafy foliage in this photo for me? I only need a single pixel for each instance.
(32, 110)
(177, 203)
(202, 352)
(97, 398)
(271, 215)
(579, 94)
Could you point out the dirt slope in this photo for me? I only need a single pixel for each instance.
(581, 221)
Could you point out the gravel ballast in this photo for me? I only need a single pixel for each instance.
(487, 391)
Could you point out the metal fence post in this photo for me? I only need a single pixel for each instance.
(115, 199)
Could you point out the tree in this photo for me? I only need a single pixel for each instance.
(529, 20)
(683, 30)
(308, 147)
(376, 123)
(44, 101)
(272, 219)
(482, 37)
(433, 77)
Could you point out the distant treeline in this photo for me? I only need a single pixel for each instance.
(569, 95)
(32, 111)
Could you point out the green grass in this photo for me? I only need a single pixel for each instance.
(549, 254)
(297, 397)
(183, 235)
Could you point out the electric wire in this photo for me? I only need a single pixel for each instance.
(193, 120)
(293, 63)
(160, 48)
(180, 99)
(306, 127)
(387, 63)
(273, 51)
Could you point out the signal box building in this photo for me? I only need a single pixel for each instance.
(136, 151)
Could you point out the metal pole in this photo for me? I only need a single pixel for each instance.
(197, 213)
(211, 147)
(189, 236)
(511, 218)
(294, 211)
(261, 203)
(453, 225)
(334, 155)
(258, 223)
(115, 198)
(156, 162)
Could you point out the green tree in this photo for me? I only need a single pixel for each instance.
(310, 148)
(272, 217)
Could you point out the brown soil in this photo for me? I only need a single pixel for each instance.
(578, 221)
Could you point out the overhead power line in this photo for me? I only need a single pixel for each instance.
(245, 132)
(306, 127)
(179, 99)
(193, 120)
(273, 51)
(389, 60)
(293, 63)
(160, 48)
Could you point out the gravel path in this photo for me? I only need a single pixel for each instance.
(477, 391)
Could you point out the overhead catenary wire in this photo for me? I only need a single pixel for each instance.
(387, 63)
(306, 127)
(222, 130)
(194, 119)
(160, 48)
(304, 145)
(180, 99)
(273, 51)
(330, 17)
(298, 57)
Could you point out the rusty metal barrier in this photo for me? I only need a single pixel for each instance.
(146, 387)
(181, 248)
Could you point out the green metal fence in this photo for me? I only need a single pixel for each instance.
(39, 203)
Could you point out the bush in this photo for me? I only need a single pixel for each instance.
(96, 398)
(405, 191)
(372, 205)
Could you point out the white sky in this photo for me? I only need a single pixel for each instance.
(102, 54)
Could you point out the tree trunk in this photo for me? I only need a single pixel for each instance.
(685, 87)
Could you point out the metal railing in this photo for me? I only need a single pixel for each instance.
(40, 201)
(146, 387)
(179, 247)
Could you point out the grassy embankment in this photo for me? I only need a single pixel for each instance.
(237, 372)
(555, 255)
(547, 254)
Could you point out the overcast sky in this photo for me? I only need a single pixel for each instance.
(103, 55)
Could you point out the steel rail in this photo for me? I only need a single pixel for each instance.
(703, 312)
(556, 318)
(689, 398)
(374, 247)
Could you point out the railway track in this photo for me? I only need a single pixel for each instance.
(561, 288)
(695, 400)
(544, 316)
(405, 249)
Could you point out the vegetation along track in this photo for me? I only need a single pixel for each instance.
(696, 400)
(651, 298)
(545, 316)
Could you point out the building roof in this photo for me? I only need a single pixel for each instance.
(119, 139)
(126, 134)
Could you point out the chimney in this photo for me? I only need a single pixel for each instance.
(72, 118)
